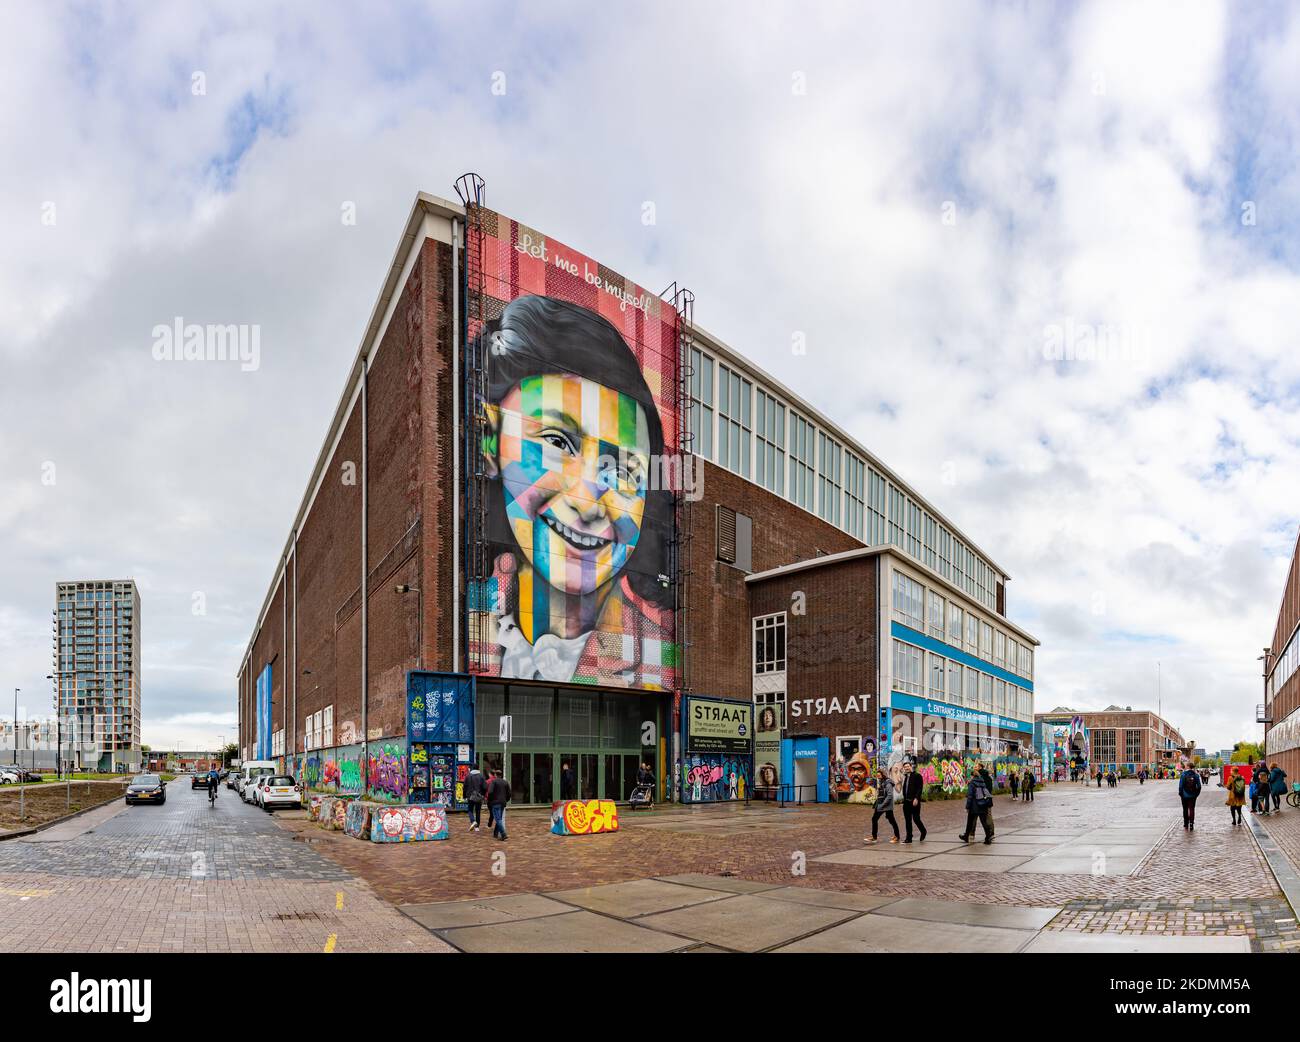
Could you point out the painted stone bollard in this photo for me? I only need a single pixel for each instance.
(313, 809)
(583, 817)
(408, 824)
(356, 822)
(333, 813)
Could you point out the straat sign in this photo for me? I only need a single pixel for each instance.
(719, 726)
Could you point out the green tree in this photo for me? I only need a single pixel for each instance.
(228, 752)
(1247, 752)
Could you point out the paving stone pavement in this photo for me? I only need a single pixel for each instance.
(1112, 862)
(186, 877)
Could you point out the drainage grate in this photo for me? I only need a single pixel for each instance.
(297, 916)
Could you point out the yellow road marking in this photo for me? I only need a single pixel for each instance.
(25, 893)
(329, 945)
(338, 902)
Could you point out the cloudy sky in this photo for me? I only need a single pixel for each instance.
(947, 201)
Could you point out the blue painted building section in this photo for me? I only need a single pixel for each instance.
(807, 762)
(913, 704)
(264, 714)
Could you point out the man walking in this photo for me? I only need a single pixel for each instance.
(979, 800)
(913, 793)
(1189, 787)
(1261, 788)
(1028, 785)
(475, 790)
(498, 795)
(1013, 782)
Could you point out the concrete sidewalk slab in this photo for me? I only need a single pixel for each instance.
(1012, 917)
(725, 883)
(485, 911)
(574, 931)
(748, 922)
(881, 933)
(874, 857)
(636, 898)
(850, 901)
(959, 862)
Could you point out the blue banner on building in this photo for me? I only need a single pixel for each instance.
(264, 714)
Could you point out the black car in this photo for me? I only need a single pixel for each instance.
(146, 788)
(199, 780)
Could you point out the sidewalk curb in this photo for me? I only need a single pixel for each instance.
(1288, 879)
(19, 833)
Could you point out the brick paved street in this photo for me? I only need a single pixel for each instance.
(1113, 862)
(186, 877)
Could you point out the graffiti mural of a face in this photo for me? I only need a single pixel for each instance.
(573, 457)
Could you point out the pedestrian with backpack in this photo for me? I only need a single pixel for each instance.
(475, 791)
(498, 795)
(1236, 797)
(1189, 787)
(979, 801)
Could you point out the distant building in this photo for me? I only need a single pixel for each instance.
(97, 671)
(1118, 736)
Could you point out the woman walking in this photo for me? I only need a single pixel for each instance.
(1236, 797)
(1013, 781)
(1277, 785)
(884, 806)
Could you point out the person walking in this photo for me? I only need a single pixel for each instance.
(569, 781)
(475, 790)
(498, 795)
(913, 794)
(884, 806)
(1236, 797)
(1099, 777)
(1014, 782)
(1261, 788)
(979, 801)
(1027, 786)
(1277, 786)
(1189, 787)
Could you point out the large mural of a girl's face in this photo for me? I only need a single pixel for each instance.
(573, 457)
(578, 417)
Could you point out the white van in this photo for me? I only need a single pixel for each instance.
(250, 771)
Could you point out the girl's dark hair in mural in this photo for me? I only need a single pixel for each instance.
(538, 336)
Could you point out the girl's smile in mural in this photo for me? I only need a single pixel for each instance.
(573, 456)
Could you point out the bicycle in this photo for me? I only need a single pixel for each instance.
(212, 795)
(1293, 797)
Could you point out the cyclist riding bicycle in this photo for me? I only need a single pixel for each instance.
(213, 778)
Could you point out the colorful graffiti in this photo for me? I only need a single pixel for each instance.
(953, 773)
(713, 779)
(580, 413)
(333, 813)
(387, 774)
(356, 822)
(583, 817)
(408, 824)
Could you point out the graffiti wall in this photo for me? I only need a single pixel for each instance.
(583, 817)
(707, 778)
(329, 770)
(581, 414)
(953, 773)
(356, 820)
(388, 777)
(408, 824)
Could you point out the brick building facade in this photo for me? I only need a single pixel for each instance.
(790, 527)
(1280, 711)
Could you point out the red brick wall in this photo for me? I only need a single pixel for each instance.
(1287, 699)
(718, 662)
(832, 650)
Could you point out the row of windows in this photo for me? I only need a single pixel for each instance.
(319, 729)
(929, 675)
(929, 611)
(769, 643)
(1284, 670)
(791, 457)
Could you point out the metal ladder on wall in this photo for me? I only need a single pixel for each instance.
(683, 302)
(476, 556)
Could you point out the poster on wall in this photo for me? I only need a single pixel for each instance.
(580, 417)
(767, 745)
(264, 713)
(717, 750)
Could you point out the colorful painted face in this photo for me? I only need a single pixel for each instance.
(573, 457)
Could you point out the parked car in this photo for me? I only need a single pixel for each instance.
(253, 770)
(233, 779)
(19, 773)
(146, 788)
(278, 790)
(249, 791)
(8, 776)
